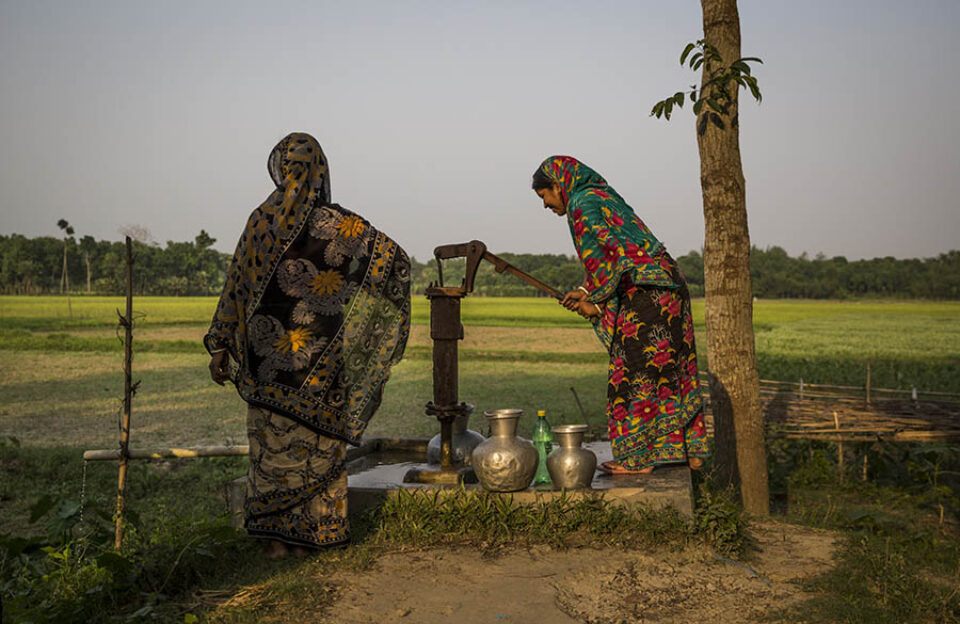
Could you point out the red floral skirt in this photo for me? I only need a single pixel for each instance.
(654, 408)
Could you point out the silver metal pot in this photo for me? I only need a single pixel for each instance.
(571, 467)
(503, 462)
(462, 444)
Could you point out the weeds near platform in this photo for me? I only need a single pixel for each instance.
(491, 521)
(900, 558)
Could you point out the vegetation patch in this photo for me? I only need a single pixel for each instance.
(898, 506)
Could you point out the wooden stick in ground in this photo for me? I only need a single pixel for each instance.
(576, 398)
(836, 421)
(127, 322)
(868, 383)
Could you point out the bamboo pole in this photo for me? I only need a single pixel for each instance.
(868, 383)
(773, 385)
(900, 436)
(836, 421)
(124, 450)
(166, 453)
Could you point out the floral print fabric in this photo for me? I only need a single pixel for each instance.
(316, 306)
(654, 405)
(296, 482)
(610, 239)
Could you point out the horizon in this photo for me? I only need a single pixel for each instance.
(429, 257)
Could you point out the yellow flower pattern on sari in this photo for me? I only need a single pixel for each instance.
(306, 274)
(351, 227)
(293, 340)
(326, 282)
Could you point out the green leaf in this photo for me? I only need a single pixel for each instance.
(687, 50)
(754, 89)
(693, 95)
(715, 105)
(668, 108)
(68, 509)
(750, 59)
(41, 507)
(717, 121)
(702, 126)
(740, 67)
(697, 106)
(696, 66)
(189, 618)
(131, 518)
(696, 59)
(115, 563)
(657, 110)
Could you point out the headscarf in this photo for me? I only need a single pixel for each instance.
(610, 238)
(316, 305)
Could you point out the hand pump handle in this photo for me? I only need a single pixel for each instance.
(500, 265)
(474, 251)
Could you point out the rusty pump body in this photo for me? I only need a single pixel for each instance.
(445, 330)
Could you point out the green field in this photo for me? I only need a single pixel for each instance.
(60, 379)
(61, 385)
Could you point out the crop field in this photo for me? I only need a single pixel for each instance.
(61, 386)
(60, 378)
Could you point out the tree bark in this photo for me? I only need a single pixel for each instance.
(86, 258)
(734, 383)
(64, 284)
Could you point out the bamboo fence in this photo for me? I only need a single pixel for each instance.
(850, 413)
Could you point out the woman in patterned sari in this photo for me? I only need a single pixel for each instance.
(314, 311)
(637, 299)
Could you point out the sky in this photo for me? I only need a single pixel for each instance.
(434, 115)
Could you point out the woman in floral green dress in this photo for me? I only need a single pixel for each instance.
(314, 311)
(637, 299)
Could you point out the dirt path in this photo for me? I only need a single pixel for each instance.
(592, 586)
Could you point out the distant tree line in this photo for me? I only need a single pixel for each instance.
(774, 275)
(36, 266)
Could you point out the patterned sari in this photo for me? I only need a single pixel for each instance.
(654, 406)
(314, 312)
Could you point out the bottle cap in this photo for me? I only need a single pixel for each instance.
(541, 413)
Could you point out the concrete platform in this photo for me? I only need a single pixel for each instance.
(378, 474)
(375, 472)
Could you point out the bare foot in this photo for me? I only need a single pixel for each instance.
(275, 550)
(695, 463)
(614, 468)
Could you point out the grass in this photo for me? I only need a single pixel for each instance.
(899, 560)
(180, 558)
(490, 522)
(910, 344)
(60, 384)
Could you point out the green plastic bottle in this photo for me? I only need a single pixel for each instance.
(542, 439)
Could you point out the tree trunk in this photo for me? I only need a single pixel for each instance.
(732, 360)
(64, 285)
(86, 258)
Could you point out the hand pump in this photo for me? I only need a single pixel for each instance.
(445, 330)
